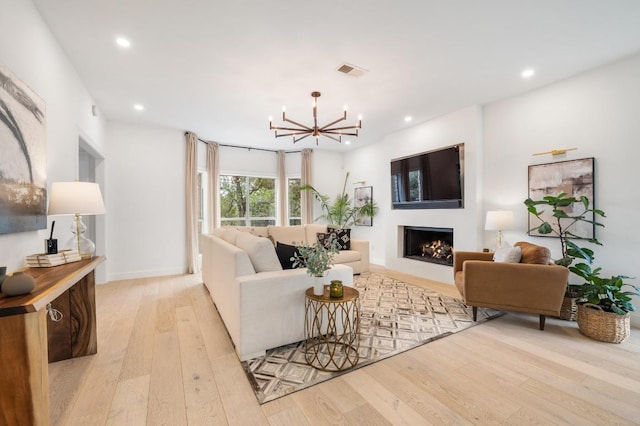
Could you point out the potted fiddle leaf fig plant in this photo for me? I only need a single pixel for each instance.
(341, 212)
(603, 305)
(563, 225)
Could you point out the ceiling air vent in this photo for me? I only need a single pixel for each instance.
(351, 70)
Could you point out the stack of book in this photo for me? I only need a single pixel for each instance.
(43, 260)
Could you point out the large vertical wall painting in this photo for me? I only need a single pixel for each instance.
(574, 178)
(23, 157)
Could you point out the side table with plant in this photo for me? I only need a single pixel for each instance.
(318, 259)
(563, 226)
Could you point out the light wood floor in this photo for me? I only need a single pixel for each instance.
(164, 358)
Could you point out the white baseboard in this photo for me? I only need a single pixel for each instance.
(132, 275)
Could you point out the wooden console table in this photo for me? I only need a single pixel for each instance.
(29, 340)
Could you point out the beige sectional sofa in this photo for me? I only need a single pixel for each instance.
(261, 304)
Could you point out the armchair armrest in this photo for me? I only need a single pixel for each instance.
(459, 257)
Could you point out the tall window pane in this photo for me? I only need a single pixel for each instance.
(293, 201)
(247, 201)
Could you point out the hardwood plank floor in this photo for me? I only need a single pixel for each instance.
(164, 357)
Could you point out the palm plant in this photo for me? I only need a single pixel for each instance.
(341, 213)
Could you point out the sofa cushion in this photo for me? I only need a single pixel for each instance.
(287, 234)
(260, 251)
(508, 254)
(285, 252)
(532, 253)
(346, 256)
(311, 231)
(230, 235)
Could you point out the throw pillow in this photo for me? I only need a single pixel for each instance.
(508, 255)
(285, 253)
(532, 253)
(323, 238)
(343, 236)
(260, 251)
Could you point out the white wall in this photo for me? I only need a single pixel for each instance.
(146, 192)
(597, 112)
(371, 163)
(29, 50)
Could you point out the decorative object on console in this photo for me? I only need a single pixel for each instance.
(51, 245)
(23, 164)
(499, 220)
(328, 130)
(318, 259)
(18, 283)
(3, 274)
(363, 196)
(45, 260)
(77, 198)
(342, 213)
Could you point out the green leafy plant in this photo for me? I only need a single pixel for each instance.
(341, 213)
(564, 224)
(316, 258)
(604, 292)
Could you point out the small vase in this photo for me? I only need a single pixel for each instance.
(318, 286)
(336, 289)
(18, 283)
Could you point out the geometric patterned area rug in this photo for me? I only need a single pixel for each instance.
(394, 317)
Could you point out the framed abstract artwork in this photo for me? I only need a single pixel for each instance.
(575, 178)
(23, 163)
(362, 196)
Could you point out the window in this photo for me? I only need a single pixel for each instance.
(247, 201)
(293, 201)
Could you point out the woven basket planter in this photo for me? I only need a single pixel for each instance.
(569, 309)
(604, 326)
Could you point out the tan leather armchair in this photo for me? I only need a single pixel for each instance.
(532, 286)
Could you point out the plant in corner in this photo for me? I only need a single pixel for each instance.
(603, 306)
(341, 213)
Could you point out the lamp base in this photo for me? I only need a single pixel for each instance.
(86, 248)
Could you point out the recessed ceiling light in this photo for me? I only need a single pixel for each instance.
(123, 42)
(528, 73)
(347, 142)
(138, 107)
(408, 118)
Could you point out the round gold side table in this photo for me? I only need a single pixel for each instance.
(331, 328)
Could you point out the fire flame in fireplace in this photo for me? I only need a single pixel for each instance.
(439, 250)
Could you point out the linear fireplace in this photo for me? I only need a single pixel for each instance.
(426, 244)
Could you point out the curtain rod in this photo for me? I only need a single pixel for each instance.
(249, 148)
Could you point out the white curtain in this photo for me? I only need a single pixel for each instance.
(213, 173)
(306, 197)
(282, 190)
(192, 202)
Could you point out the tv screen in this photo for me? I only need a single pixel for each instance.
(430, 180)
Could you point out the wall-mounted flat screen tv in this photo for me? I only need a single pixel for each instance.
(429, 180)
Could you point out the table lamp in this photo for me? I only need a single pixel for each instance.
(499, 220)
(77, 198)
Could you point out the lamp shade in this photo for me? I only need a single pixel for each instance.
(82, 198)
(499, 220)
